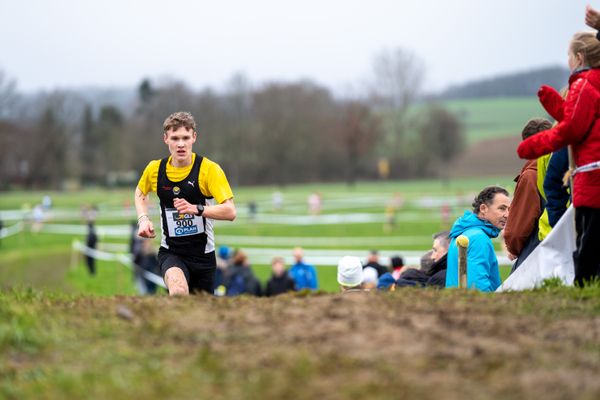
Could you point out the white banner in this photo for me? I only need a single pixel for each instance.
(553, 258)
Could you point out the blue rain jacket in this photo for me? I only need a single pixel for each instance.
(482, 264)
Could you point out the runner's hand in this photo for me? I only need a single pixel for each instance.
(183, 207)
(146, 229)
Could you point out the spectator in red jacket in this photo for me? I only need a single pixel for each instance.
(580, 128)
(521, 233)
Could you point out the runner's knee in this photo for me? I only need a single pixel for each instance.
(176, 282)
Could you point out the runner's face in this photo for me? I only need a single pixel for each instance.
(497, 212)
(180, 144)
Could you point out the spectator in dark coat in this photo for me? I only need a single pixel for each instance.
(280, 281)
(239, 278)
(557, 194)
(436, 274)
(146, 261)
(91, 241)
(373, 262)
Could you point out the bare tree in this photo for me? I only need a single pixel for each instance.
(398, 76)
(146, 125)
(8, 95)
(442, 137)
(48, 162)
(113, 144)
(89, 154)
(14, 164)
(295, 123)
(357, 133)
(238, 128)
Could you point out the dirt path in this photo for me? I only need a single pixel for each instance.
(409, 344)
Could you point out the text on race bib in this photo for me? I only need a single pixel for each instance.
(183, 224)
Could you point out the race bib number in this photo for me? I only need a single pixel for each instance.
(183, 224)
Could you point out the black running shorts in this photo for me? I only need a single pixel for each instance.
(199, 271)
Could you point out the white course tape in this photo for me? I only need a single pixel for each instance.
(121, 258)
(331, 257)
(304, 241)
(11, 230)
(82, 229)
(320, 257)
(588, 167)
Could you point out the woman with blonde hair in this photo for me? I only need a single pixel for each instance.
(580, 128)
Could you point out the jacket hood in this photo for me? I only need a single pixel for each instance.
(470, 220)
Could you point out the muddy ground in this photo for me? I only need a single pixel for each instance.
(408, 344)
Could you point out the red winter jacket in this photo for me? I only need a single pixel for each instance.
(579, 127)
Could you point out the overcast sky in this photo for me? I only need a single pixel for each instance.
(64, 43)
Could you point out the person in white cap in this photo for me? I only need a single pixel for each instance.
(350, 274)
(369, 278)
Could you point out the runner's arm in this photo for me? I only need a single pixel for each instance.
(145, 227)
(224, 211)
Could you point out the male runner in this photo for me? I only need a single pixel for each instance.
(193, 191)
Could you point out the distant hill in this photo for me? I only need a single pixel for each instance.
(516, 84)
(495, 117)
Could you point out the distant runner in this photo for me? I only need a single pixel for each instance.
(193, 191)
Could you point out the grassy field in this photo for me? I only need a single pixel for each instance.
(66, 335)
(45, 259)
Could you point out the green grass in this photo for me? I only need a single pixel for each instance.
(488, 118)
(46, 260)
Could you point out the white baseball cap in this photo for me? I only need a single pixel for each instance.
(349, 271)
(370, 275)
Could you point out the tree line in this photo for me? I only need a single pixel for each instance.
(273, 133)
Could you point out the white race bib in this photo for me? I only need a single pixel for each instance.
(183, 224)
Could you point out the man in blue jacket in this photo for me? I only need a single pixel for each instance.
(304, 275)
(489, 215)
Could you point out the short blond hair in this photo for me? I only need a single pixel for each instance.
(179, 119)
